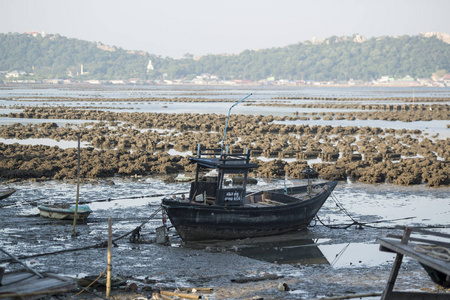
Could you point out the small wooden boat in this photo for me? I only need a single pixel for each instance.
(64, 211)
(6, 192)
(216, 211)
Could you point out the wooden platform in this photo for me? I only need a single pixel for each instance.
(432, 252)
(23, 284)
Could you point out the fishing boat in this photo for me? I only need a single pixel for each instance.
(64, 211)
(213, 210)
(6, 192)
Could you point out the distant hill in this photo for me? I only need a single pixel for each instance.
(335, 58)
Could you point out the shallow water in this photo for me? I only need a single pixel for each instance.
(46, 142)
(221, 92)
(364, 95)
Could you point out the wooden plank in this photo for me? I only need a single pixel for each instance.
(429, 232)
(419, 296)
(33, 285)
(360, 296)
(27, 285)
(414, 239)
(33, 295)
(273, 202)
(408, 250)
(425, 231)
(10, 278)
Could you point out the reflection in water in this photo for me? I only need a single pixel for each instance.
(289, 248)
(303, 248)
(300, 251)
(355, 255)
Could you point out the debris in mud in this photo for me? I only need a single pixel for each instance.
(265, 276)
(95, 281)
(283, 287)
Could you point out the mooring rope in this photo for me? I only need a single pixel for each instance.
(355, 222)
(33, 202)
(342, 208)
(133, 197)
(99, 245)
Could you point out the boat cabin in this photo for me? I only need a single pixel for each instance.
(213, 190)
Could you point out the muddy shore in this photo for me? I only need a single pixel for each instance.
(319, 262)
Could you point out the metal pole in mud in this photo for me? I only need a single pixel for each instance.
(75, 216)
(108, 273)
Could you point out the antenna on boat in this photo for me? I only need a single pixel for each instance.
(229, 112)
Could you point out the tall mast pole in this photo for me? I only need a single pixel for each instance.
(229, 112)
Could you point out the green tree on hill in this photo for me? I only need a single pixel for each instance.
(54, 56)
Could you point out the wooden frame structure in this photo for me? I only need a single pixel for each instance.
(421, 249)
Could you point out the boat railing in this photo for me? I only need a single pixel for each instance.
(223, 156)
(242, 157)
(208, 152)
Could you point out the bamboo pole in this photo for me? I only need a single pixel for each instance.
(180, 295)
(108, 274)
(78, 188)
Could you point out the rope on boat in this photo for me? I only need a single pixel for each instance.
(99, 245)
(438, 252)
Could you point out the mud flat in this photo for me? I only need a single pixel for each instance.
(133, 143)
(388, 112)
(319, 262)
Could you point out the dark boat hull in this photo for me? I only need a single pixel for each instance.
(195, 222)
(5, 193)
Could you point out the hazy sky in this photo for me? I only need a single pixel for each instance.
(176, 27)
